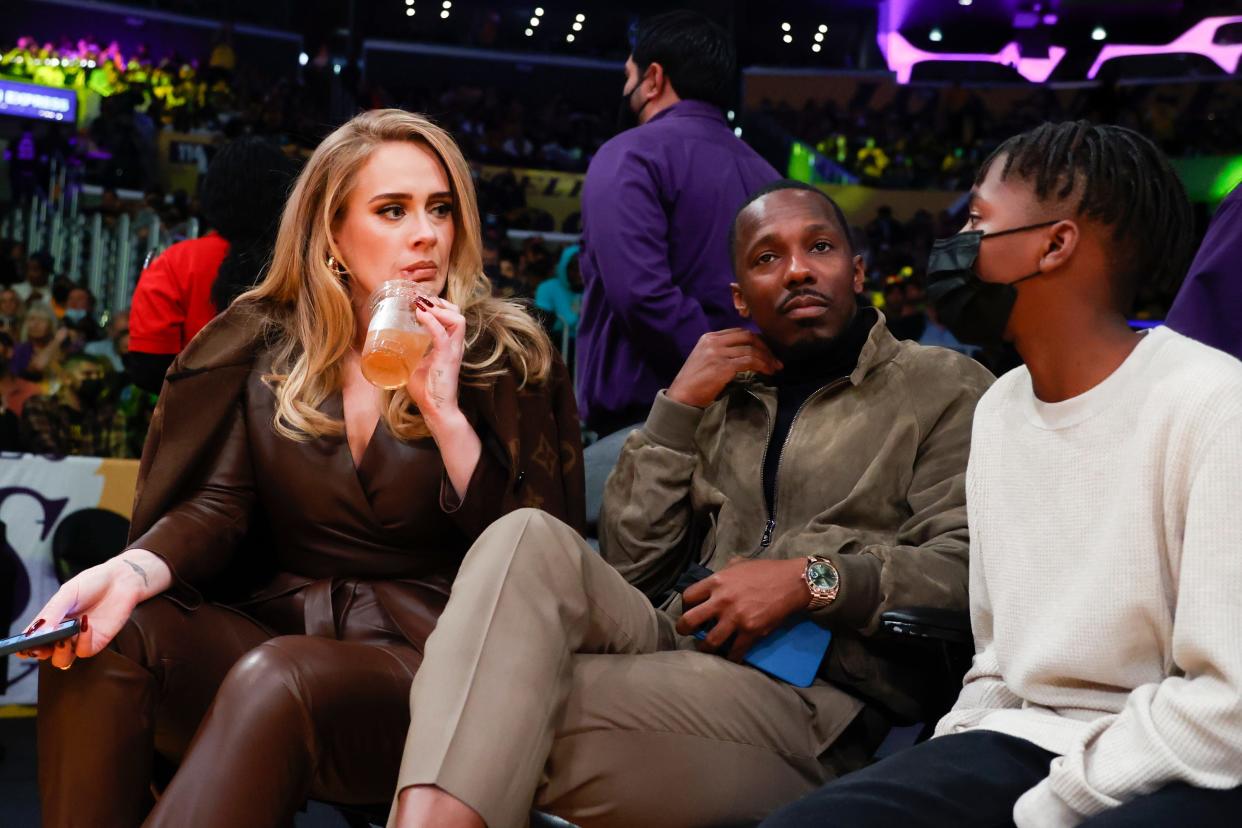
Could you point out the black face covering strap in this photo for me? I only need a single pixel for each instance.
(1022, 229)
(974, 311)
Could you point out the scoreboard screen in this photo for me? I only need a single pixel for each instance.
(45, 103)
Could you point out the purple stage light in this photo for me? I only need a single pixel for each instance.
(1197, 40)
(902, 58)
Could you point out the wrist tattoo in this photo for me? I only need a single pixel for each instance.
(139, 570)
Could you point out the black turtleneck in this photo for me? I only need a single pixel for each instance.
(801, 378)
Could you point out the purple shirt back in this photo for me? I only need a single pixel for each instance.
(1209, 305)
(656, 209)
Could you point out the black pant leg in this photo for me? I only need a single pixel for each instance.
(1176, 804)
(967, 779)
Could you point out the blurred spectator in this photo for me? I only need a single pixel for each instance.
(81, 418)
(561, 296)
(242, 196)
(938, 335)
(115, 345)
(36, 287)
(506, 284)
(884, 231)
(12, 313)
(9, 431)
(870, 138)
(14, 391)
(79, 305)
(42, 346)
(903, 307)
(137, 405)
(657, 205)
(8, 267)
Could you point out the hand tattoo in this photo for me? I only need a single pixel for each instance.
(139, 570)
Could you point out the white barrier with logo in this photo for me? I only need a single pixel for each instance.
(36, 495)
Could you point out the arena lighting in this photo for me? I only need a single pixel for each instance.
(1098, 33)
(448, 4)
(788, 38)
(444, 14)
(1198, 39)
(530, 32)
(737, 131)
(823, 29)
(785, 27)
(303, 59)
(902, 57)
(581, 18)
(409, 12)
(935, 36)
(963, 2)
(534, 21)
(819, 37)
(409, 2)
(815, 47)
(569, 38)
(539, 12)
(1229, 177)
(577, 27)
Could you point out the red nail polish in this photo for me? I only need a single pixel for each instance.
(38, 623)
(82, 624)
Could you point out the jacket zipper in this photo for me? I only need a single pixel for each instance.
(770, 527)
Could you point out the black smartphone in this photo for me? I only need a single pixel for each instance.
(39, 638)
(694, 573)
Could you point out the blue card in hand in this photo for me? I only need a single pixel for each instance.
(792, 652)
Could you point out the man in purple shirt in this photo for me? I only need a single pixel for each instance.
(656, 209)
(1209, 306)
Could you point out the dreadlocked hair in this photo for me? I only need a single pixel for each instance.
(1121, 181)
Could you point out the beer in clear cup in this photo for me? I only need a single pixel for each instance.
(395, 342)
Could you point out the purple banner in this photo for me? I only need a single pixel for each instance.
(27, 100)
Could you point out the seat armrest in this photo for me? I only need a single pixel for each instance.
(952, 626)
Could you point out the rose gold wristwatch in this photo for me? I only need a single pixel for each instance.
(823, 580)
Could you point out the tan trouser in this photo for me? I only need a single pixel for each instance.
(551, 682)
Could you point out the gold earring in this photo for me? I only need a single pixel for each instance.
(335, 266)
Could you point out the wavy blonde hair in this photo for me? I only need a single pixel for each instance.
(310, 317)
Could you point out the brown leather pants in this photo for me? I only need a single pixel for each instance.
(257, 722)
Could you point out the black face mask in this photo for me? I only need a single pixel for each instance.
(91, 390)
(627, 118)
(974, 311)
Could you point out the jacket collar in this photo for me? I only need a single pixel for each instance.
(880, 347)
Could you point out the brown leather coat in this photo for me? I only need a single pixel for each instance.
(532, 457)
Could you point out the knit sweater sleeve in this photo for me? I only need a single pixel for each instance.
(1188, 727)
(983, 688)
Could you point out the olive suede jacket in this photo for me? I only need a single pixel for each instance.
(871, 476)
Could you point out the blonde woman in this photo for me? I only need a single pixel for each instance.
(42, 343)
(296, 530)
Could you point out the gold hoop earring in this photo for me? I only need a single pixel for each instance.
(335, 266)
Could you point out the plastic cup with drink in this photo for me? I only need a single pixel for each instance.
(396, 342)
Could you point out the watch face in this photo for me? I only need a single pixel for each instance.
(822, 576)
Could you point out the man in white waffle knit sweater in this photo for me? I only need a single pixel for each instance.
(1104, 494)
